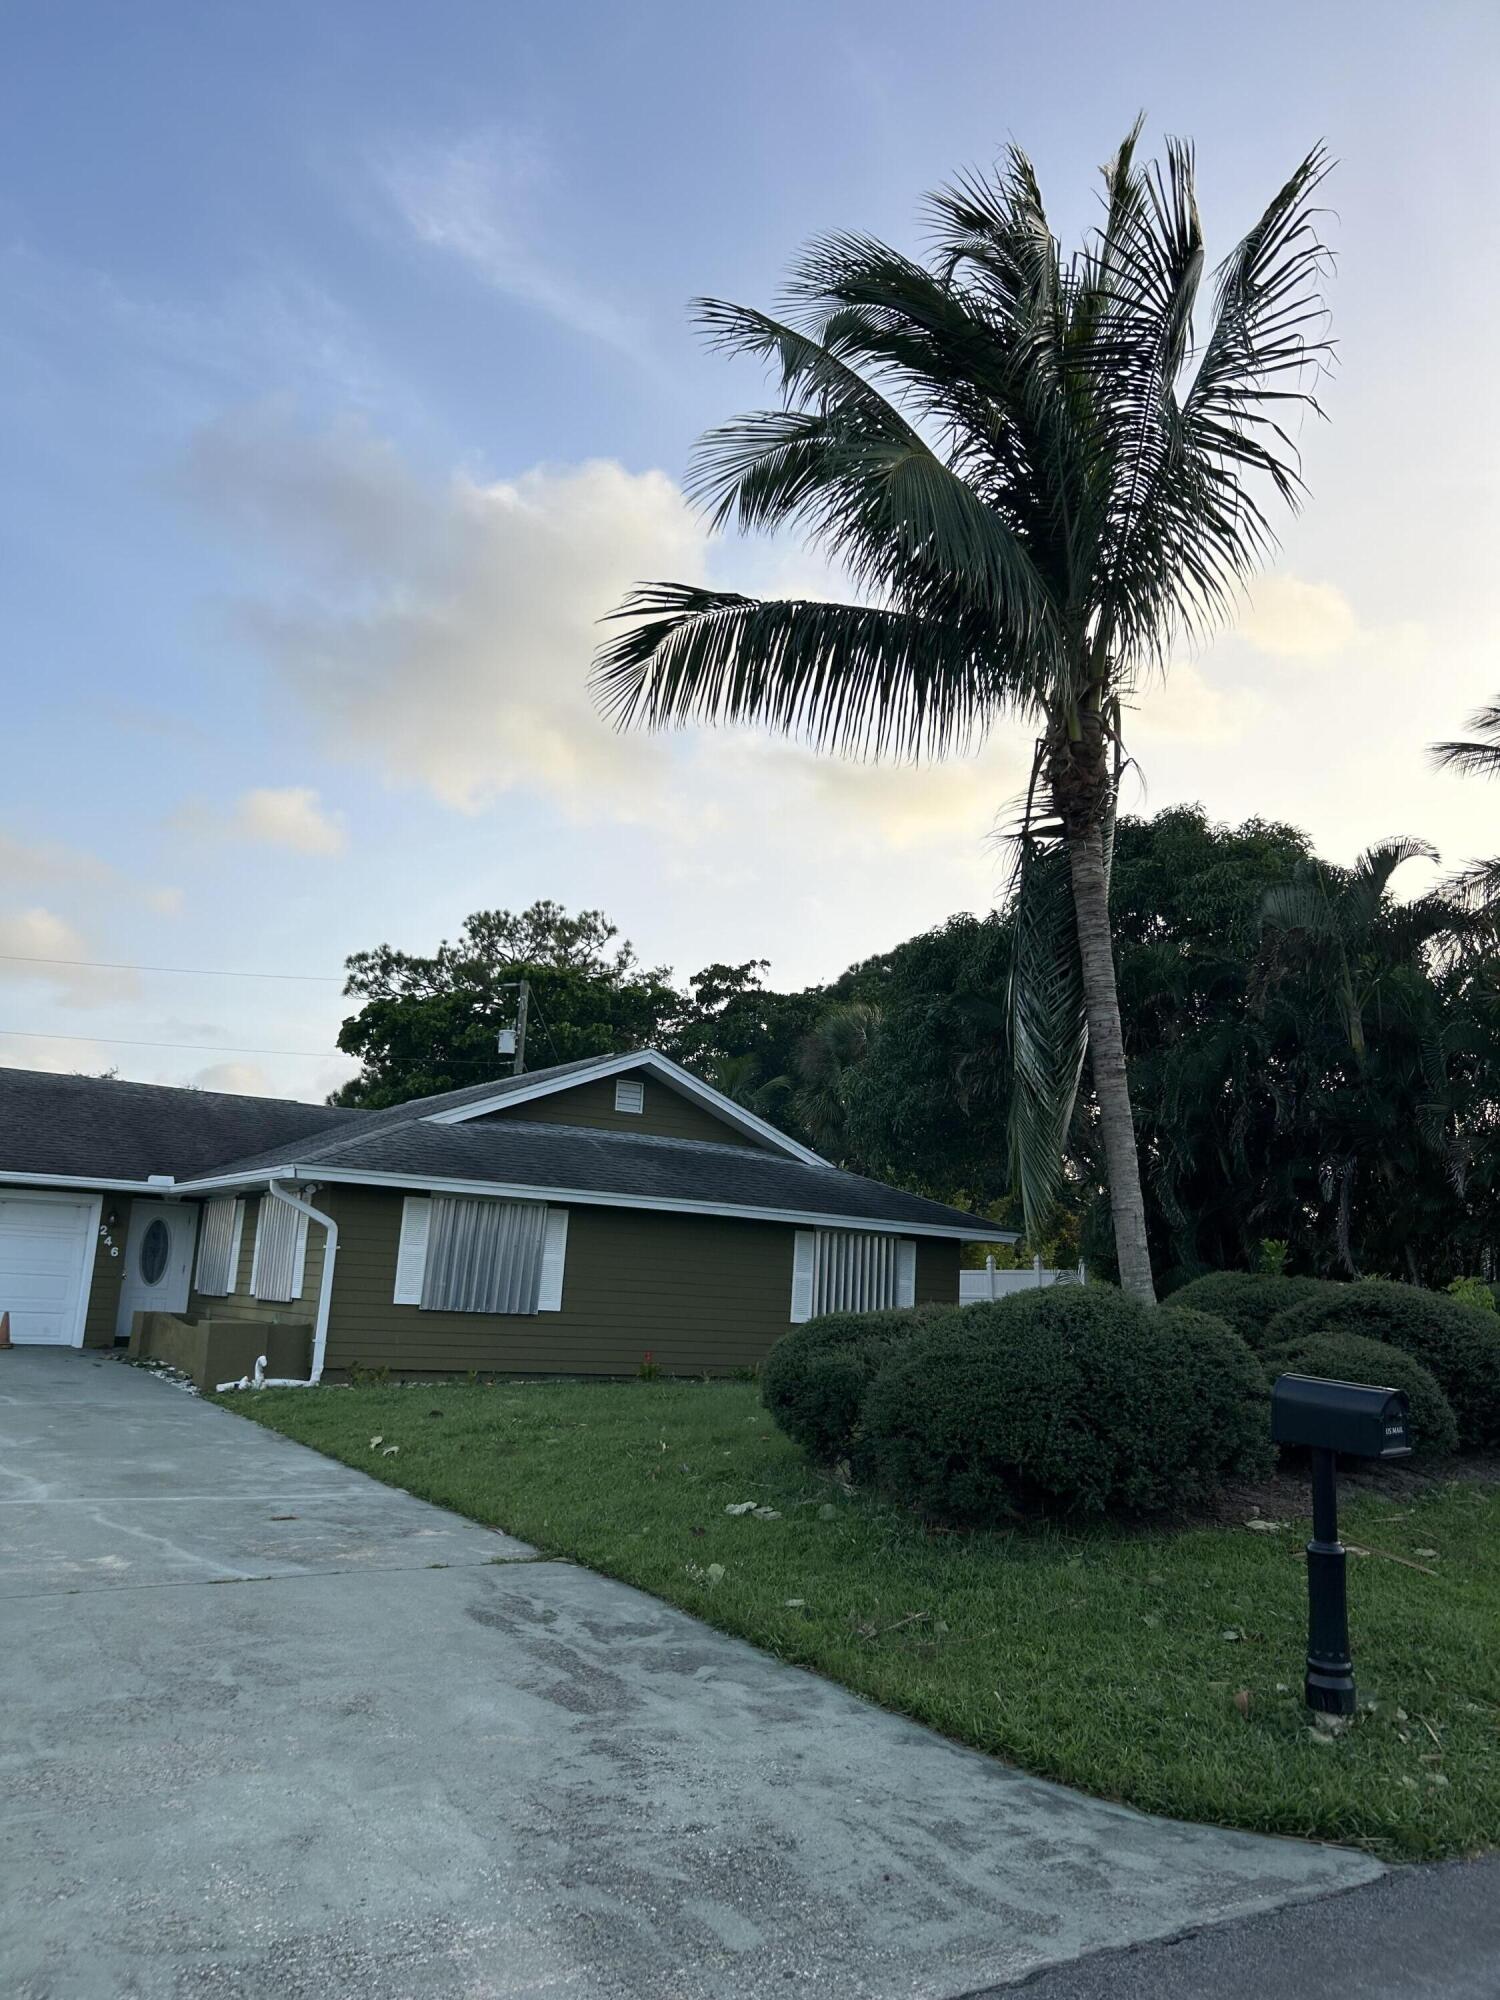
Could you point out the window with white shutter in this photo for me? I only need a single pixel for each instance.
(462, 1253)
(630, 1094)
(279, 1260)
(851, 1270)
(411, 1253)
(219, 1246)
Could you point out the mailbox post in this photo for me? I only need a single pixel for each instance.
(1329, 1418)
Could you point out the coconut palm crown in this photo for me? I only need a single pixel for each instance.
(1476, 756)
(1039, 475)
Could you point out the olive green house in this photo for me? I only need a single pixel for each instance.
(572, 1220)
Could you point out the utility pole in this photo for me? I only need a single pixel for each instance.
(523, 996)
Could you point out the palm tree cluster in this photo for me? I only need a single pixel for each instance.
(1040, 472)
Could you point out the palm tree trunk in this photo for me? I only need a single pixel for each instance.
(1107, 1060)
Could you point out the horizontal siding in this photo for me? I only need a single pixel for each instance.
(241, 1302)
(667, 1114)
(698, 1293)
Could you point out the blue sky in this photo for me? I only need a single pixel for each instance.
(346, 378)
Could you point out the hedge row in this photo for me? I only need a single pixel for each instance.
(1077, 1400)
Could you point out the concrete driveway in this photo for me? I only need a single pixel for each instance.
(271, 1729)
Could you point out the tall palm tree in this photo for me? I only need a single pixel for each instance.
(1479, 757)
(1038, 478)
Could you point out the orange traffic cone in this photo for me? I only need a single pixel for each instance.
(5, 1340)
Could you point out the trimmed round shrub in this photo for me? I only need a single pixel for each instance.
(1459, 1343)
(1350, 1357)
(814, 1379)
(1072, 1400)
(1249, 1301)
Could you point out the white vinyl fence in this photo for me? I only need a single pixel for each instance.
(992, 1284)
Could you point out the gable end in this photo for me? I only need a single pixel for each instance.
(664, 1114)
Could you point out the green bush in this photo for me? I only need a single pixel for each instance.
(1066, 1401)
(815, 1377)
(1350, 1357)
(1473, 1292)
(1249, 1301)
(1459, 1343)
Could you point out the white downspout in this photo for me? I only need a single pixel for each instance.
(325, 1289)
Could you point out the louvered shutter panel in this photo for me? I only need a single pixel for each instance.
(219, 1246)
(411, 1254)
(554, 1259)
(237, 1235)
(906, 1272)
(804, 1257)
(279, 1260)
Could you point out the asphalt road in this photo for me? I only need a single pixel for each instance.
(1419, 1934)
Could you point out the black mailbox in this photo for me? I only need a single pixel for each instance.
(1329, 1417)
(1351, 1417)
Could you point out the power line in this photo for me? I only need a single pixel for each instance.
(205, 971)
(233, 1048)
(209, 1048)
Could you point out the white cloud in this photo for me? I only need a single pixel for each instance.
(446, 637)
(1294, 619)
(27, 866)
(454, 652)
(289, 817)
(477, 201)
(63, 1056)
(36, 945)
(1187, 707)
(902, 807)
(240, 1079)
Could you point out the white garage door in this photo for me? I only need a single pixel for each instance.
(46, 1252)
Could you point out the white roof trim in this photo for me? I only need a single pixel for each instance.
(659, 1065)
(592, 1198)
(14, 1177)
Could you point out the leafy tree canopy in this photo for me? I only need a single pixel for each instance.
(430, 1024)
(1314, 1060)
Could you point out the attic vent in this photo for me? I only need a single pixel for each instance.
(630, 1095)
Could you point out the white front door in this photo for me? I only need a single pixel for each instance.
(46, 1258)
(158, 1272)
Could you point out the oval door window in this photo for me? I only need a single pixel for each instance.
(156, 1246)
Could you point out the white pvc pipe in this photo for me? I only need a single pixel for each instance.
(261, 1380)
(325, 1289)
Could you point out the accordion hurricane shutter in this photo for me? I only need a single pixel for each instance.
(280, 1251)
(484, 1256)
(851, 1270)
(219, 1246)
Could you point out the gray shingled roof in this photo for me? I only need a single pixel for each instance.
(101, 1127)
(579, 1160)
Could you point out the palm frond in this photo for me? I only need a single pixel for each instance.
(1375, 867)
(1048, 1024)
(856, 679)
(1473, 759)
(874, 496)
(1476, 888)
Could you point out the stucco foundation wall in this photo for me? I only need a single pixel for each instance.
(698, 1293)
(214, 1351)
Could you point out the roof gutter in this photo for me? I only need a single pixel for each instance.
(325, 1289)
(17, 1177)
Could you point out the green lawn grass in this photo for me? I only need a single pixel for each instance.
(1118, 1662)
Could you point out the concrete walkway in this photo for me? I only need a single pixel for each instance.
(271, 1730)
